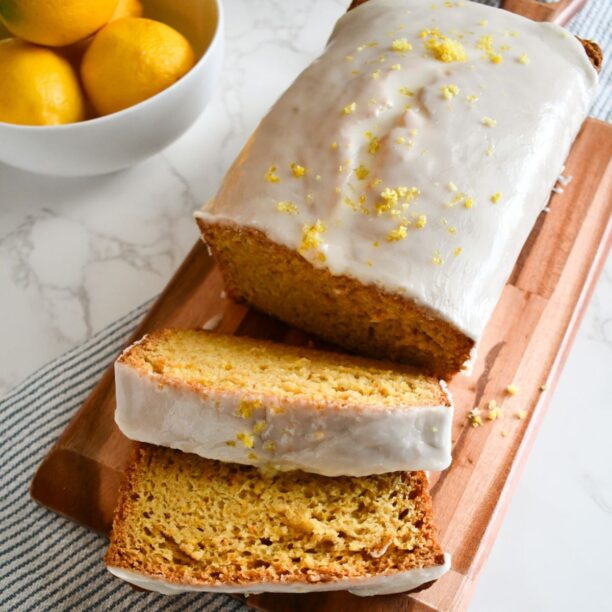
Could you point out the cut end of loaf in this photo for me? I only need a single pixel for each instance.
(188, 520)
(361, 318)
(214, 362)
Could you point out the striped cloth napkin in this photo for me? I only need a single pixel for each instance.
(50, 563)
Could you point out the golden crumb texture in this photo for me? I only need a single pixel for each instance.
(248, 368)
(189, 520)
(361, 318)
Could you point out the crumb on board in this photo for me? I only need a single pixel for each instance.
(474, 417)
(494, 411)
(512, 389)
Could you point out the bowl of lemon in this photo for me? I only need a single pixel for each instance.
(90, 87)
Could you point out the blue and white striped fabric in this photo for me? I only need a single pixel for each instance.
(49, 563)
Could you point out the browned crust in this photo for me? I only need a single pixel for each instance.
(114, 555)
(591, 48)
(333, 285)
(594, 52)
(135, 357)
(118, 554)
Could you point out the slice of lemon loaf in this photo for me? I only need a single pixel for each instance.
(383, 201)
(255, 402)
(184, 523)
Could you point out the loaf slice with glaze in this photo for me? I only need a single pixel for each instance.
(260, 403)
(184, 523)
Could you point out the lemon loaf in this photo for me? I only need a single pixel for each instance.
(184, 523)
(256, 402)
(384, 200)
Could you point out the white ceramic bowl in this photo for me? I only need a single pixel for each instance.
(120, 140)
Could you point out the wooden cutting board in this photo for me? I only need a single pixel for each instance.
(526, 343)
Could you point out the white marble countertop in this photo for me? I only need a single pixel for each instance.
(77, 254)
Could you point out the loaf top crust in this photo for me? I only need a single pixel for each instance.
(417, 152)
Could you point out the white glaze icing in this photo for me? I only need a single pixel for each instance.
(288, 435)
(384, 584)
(538, 96)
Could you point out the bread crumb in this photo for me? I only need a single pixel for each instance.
(494, 411)
(512, 389)
(521, 414)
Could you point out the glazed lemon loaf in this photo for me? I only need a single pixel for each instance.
(383, 201)
(256, 402)
(184, 523)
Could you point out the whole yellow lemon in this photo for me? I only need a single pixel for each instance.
(38, 87)
(55, 23)
(132, 59)
(127, 8)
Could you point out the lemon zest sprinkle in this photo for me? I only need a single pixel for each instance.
(271, 175)
(287, 207)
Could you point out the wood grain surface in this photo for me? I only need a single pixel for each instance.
(526, 343)
(558, 12)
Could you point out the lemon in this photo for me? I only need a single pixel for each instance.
(38, 86)
(127, 8)
(55, 22)
(132, 59)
